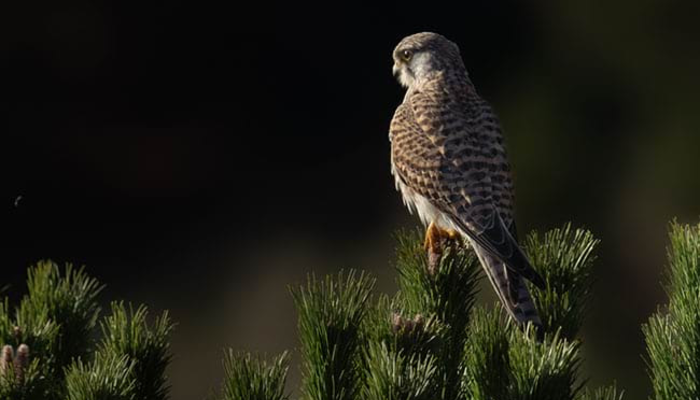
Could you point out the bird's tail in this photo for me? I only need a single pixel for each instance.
(510, 288)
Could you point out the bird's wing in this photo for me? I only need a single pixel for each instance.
(438, 154)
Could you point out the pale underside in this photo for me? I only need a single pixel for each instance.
(420, 205)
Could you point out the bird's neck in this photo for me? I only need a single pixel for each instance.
(458, 83)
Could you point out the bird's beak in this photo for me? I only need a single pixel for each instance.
(396, 71)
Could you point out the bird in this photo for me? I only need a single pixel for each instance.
(450, 165)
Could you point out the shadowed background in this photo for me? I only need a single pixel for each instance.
(201, 157)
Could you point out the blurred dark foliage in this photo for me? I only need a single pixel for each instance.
(200, 156)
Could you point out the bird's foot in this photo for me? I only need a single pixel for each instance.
(436, 240)
(432, 238)
(452, 235)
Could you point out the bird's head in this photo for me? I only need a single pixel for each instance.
(419, 56)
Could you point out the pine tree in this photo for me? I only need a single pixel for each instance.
(428, 341)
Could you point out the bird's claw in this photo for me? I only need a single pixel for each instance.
(436, 239)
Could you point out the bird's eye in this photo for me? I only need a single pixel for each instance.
(406, 55)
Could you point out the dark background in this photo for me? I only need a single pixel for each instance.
(200, 157)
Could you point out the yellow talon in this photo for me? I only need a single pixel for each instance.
(432, 238)
(436, 238)
(452, 234)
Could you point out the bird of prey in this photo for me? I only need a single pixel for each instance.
(449, 163)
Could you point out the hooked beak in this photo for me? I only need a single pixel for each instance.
(395, 70)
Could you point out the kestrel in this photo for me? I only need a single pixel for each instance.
(450, 165)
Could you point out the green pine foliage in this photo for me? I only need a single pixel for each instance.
(127, 333)
(673, 335)
(70, 300)
(50, 349)
(545, 370)
(428, 341)
(604, 393)
(21, 379)
(109, 376)
(330, 316)
(442, 294)
(54, 321)
(487, 370)
(393, 374)
(503, 362)
(249, 377)
(565, 257)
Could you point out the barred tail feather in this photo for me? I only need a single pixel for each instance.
(510, 288)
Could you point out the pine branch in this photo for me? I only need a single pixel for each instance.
(126, 333)
(49, 351)
(487, 359)
(108, 377)
(408, 334)
(252, 378)
(394, 375)
(399, 356)
(69, 301)
(564, 257)
(427, 342)
(673, 337)
(330, 318)
(444, 295)
(543, 370)
(20, 377)
(55, 320)
(606, 393)
(447, 291)
(37, 331)
(503, 362)
(34, 328)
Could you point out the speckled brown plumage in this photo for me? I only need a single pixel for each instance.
(450, 164)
